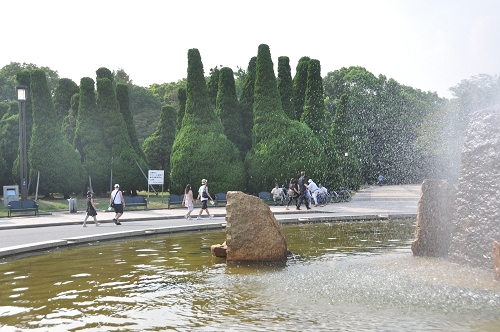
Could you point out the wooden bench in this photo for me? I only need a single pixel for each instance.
(265, 196)
(174, 199)
(220, 198)
(135, 201)
(24, 206)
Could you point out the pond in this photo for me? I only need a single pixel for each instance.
(342, 276)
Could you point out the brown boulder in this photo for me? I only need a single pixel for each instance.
(434, 219)
(252, 231)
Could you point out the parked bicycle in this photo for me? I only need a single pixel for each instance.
(344, 195)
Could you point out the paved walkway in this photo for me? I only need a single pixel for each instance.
(22, 234)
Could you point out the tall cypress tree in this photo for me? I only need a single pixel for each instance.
(314, 106)
(68, 126)
(300, 86)
(158, 146)
(9, 142)
(213, 85)
(181, 96)
(228, 109)
(116, 139)
(285, 86)
(63, 92)
(122, 96)
(201, 150)
(281, 147)
(246, 104)
(49, 152)
(89, 138)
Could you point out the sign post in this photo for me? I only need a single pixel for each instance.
(156, 177)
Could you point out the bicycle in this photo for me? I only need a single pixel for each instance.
(344, 195)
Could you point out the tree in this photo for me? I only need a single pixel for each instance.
(49, 152)
(314, 105)
(9, 143)
(89, 138)
(68, 126)
(116, 139)
(246, 104)
(213, 85)
(228, 109)
(158, 146)
(281, 147)
(181, 95)
(65, 89)
(201, 150)
(122, 97)
(285, 86)
(300, 86)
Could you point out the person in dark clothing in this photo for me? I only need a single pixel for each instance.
(293, 192)
(91, 210)
(302, 190)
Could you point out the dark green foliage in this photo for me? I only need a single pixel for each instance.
(285, 86)
(213, 85)
(124, 103)
(282, 147)
(104, 73)
(145, 107)
(116, 139)
(228, 109)
(68, 126)
(181, 96)
(201, 150)
(65, 89)
(49, 152)
(89, 138)
(314, 106)
(246, 103)
(300, 86)
(158, 146)
(9, 142)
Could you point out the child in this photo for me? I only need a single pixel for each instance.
(91, 210)
(188, 201)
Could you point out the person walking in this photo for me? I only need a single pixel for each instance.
(293, 193)
(204, 195)
(117, 202)
(91, 210)
(303, 189)
(188, 201)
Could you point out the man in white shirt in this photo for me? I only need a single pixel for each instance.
(277, 194)
(313, 188)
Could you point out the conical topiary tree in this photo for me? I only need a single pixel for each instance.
(9, 142)
(158, 146)
(181, 96)
(68, 126)
(281, 147)
(246, 104)
(201, 150)
(314, 105)
(49, 152)
(213, 85)
(285, 86)
(89, 138)
(63, 92)
(228, 109)
(125, 159)
(300, 86)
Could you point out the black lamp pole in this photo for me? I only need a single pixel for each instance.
(23, 153)
(346, 171)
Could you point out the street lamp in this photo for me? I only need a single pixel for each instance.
(346, 171)
(23, 153)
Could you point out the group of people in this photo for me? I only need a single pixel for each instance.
(203, 195)
(303, 191)
(116, 202)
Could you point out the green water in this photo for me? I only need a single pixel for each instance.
(357, 276)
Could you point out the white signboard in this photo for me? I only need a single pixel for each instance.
(155, 176)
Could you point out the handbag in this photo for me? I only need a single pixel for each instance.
(113, 202)
(291, 192)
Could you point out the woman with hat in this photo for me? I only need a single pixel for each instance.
(204, 195)
(91, 210)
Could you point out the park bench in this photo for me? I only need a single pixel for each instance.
(135, 201)
(174, 199)
(265, 196)
(220, 198)
(24, 206)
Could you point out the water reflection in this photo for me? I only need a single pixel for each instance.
(350, 276)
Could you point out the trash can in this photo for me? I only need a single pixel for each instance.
(72, 205)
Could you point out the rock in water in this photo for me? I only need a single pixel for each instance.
(252, 231)
(434, 219)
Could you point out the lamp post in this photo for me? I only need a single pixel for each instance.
(23, 153)
(346, 170)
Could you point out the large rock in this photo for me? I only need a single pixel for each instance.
(434, 219)
(252, 231)
(478, 211)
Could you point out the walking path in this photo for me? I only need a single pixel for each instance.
(23, 234)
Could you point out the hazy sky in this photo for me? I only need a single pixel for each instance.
(428, 44)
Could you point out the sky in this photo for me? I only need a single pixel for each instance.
(430, 45)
